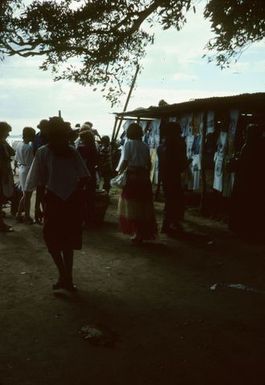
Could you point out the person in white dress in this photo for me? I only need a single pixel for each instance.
(24, 157)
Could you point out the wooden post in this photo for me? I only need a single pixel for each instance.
(127, 100)
(114, 128)
(203, 171)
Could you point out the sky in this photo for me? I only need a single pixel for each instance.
(174, 70)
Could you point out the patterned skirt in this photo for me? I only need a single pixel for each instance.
(136, 209)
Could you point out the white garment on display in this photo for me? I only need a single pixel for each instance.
(234, 115)
(222, 142)
(210, 122)
(186, 124)
(197, 122)
(219, 161)
(189, 143)
(154, 138)
(189, 173)
(196, 171)
(218, 171)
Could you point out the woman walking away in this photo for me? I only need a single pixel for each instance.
(136, 211)
(61, 172)
(24, 158)
(172, 162)
(6, 174)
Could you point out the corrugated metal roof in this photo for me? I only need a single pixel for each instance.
(243, 102)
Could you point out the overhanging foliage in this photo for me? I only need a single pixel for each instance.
(100, 43)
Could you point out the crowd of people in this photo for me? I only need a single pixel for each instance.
(62, 165)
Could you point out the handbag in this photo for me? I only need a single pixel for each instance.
(120, 180)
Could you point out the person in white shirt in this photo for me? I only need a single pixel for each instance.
(61, 172)
(24, 157)
(136, 211)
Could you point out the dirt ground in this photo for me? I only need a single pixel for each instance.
(157, 319)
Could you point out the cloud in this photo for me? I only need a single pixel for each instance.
(24, 83)
(184, 77)
(247, 67)
(17, 62)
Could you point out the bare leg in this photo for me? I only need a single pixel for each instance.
(27, 198)
(68, 264)
(58, 260)
(21, 207)
(39, 204)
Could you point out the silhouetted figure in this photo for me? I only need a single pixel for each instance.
(172, 162)
(61, 173)
(247, 211)
(41, 138)
(115, 154)
(105, 162)
(6, 174)
(88, 151)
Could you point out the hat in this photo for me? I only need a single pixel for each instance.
(43, 124)
(5, 127)
(89, 124)
(85, 127)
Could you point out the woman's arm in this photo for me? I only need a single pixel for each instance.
(125, 156)
(123, 166)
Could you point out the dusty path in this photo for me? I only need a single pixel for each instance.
(154, 303)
